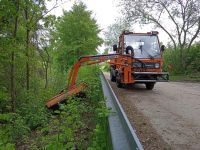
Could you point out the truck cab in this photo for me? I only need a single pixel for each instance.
(146, 59)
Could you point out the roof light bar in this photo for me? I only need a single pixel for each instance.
(154, 32)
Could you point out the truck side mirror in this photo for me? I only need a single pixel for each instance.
(115, 47)
(130, 48)
(162, 48)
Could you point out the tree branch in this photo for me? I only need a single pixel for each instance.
(162, 27)
(195, 35)
(173, 20)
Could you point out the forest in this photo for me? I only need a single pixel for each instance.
(37, 51)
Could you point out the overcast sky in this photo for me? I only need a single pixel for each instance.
(105, 12)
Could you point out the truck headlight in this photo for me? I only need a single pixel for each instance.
(137, 65)
(157, 65)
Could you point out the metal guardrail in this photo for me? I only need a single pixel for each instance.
(123, 136)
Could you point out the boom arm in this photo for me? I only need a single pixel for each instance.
(90, 61)
(71, 85)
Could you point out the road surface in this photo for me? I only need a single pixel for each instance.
(170, 114)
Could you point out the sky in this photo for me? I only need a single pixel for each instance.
(105, 12)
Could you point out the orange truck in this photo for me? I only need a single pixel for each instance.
(146, 60)
(137, 59)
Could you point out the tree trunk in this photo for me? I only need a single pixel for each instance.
(27, 48)
(181, 57)
(27, 62)
(13, 80)
(46, 75)
(12, 75)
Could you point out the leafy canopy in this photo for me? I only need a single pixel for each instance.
(76, 34)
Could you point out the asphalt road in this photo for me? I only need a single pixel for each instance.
(172, 109)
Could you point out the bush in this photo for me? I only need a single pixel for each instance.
(81, 122)
(30, 114)
(33, 111)
(34, 115)
(4, 101)
(172, 62)
(191, 61)
(105, 67)
(18, 129)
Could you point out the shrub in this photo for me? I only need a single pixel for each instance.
(191, 61)
(81, 122)
(4, 101)
(18, 129)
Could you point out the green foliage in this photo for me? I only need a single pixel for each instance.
(81, 122)
(172, 61)
(101, 138)
(4, 102)
(191, 61)
(5, 138)
(190, 77)
(13, 131)
(77, 34)
(105, 67)
(6, 117)
(100, 135)
(34, 114)
(37, 55)
(54, 143)
(30, 116)
(8, 146)
(18, 129)
(58, 82)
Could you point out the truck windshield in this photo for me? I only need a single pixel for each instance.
(144, 46)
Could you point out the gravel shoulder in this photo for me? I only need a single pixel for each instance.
(168, 117)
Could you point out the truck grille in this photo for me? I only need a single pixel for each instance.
(146, 65)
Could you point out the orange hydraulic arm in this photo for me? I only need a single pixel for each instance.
(90, 61)
(71, 85)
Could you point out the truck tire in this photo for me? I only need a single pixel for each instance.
(150, 85)
(118, 81)
(112, 77)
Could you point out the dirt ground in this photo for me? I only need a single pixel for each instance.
(168, 117)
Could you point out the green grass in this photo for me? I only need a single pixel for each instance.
(191, 77)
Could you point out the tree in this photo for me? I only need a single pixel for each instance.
(8, 29)
(19, 22)
(42, 40)
(76, 35)
(34, 11)
(179, 19)
(114, 30)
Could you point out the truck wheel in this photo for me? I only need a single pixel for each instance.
(118, 81)
(112, 77)
(150, 86)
